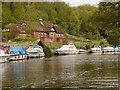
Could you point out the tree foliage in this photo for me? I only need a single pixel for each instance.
(85, 20)
(107, 20)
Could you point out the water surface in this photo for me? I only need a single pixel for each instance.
(70, 71)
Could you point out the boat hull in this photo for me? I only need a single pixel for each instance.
(15, 57)
(96, 51)
(68, 52)
(4, 58)
(35, 55)
(108, 50)
(80, 51)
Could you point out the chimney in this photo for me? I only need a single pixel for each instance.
(41, 21)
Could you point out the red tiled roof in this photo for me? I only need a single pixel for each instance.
(15, 26)
(34, 26)
(58, 29)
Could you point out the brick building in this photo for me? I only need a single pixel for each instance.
(45, 32)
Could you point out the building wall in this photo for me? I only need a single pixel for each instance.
(59, 35)
(24, 35)
(40, 35)
(51, 37)
(47, 37)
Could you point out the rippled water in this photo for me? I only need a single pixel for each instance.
(70, 71)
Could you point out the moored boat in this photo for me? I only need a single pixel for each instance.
(66, 50)
(117, 49)
(4, 55)
(18, 53)
(81, 51)
(108, 49)
(35, 50)
(96, 49)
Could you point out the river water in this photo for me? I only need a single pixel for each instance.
(69, 71)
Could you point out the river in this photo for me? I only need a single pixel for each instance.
(69, 71)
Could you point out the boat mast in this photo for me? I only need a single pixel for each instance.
(97, 35)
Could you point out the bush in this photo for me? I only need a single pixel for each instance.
(87, 47)
(22, 39)
(48, 52)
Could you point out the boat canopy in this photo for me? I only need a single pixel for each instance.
(17, 50)
(34, 45)
(67, 47)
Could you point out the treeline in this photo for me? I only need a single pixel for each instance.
(107, 21)
(85, 20)
(74, 20)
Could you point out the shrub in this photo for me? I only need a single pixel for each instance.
(22, 39)
(87, 47)
(48, 52)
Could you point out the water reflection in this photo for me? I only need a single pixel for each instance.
(81, 71)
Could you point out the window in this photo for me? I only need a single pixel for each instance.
(57, 36)
(52, 35)
(36, 35)
(52, 29)
(44, 34)
(40, 35)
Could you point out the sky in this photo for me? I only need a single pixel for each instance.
(75, 3)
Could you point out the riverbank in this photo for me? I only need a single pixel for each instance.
(54, 45)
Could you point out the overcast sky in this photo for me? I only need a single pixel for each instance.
(81, 2)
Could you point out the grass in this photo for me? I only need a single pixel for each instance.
(78, 44)
(54, 45)
(75, 38)
(78, 41)
(20, 40)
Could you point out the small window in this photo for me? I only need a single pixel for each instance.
(36, 35)
(52, 30)
(57, 36)
(52, 35)
(40, 35)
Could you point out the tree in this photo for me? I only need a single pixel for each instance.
(113, 38)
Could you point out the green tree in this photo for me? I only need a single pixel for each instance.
(113, 38)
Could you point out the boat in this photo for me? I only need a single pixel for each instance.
(117, 49)
(66, 50)
(96, 49)
(108, 49)
(4, 55)
(82, 51)
(35, 50)
(18, 53)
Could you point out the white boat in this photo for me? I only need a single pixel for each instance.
(81, 51)
(4, 57)
(35, 50)
(2, 54)
(108, 49)
(16, 57)
(18, 53)
(117, 49)
(96, 49)
(66, 50)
